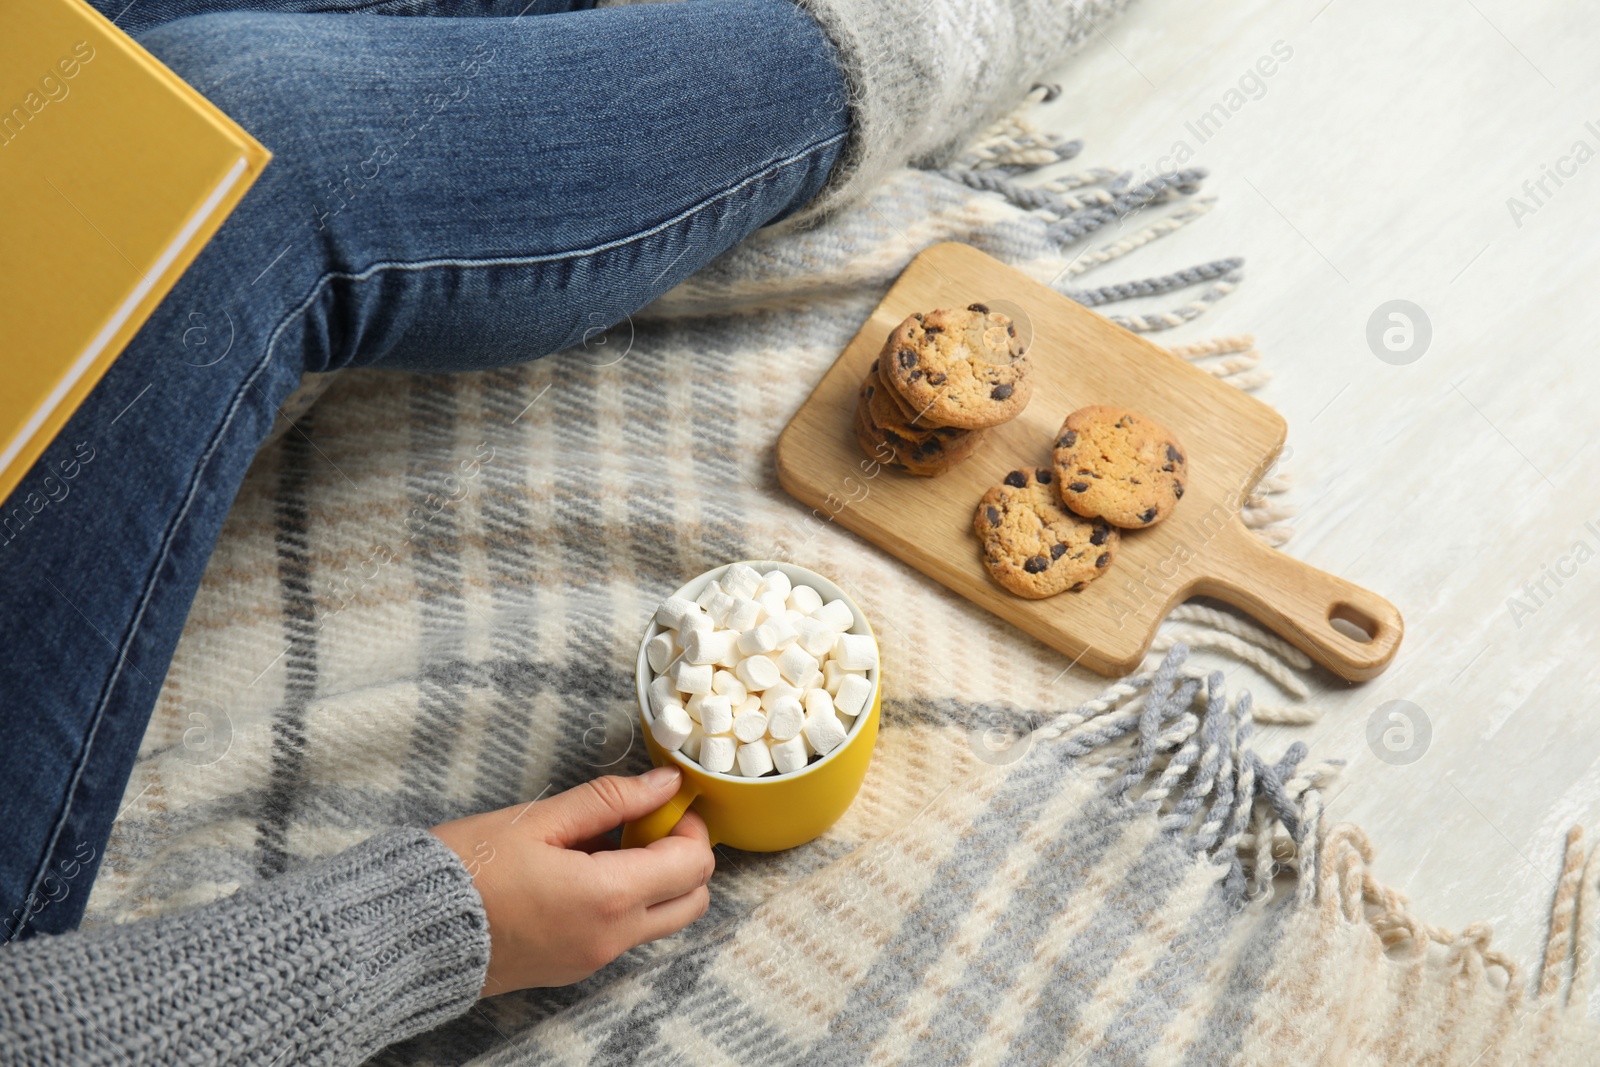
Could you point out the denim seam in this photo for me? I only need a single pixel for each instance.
(249, 382)
(512, 261)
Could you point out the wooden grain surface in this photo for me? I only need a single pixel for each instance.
(1080, 358)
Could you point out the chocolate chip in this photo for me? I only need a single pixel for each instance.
(1177, 490)
(917, 315)
(1174, 455)
(1011, 330)
(1105, 558)
(1001, 392)
(1148, 516)
(1056, 550)
(931, 447)
(895, 439)
(1044, 476)
(935, 378)
(1099, 536)
(993, 515)
(914, 376)
(981, 309)
(1079, 586)
(933, 329)
(869, 392)
(1035, 564)
(1017, 480)
(1068, 439)
(908, 358)
(1168, 467)
(1079, 487)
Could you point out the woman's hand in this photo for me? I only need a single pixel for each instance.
(562, 900)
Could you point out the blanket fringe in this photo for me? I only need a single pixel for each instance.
(1170, 741)
(1086, 202)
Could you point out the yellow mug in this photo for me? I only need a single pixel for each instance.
(778, 811)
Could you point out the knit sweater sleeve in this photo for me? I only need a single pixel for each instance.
(325, 965)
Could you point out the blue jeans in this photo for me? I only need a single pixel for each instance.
(448, 193)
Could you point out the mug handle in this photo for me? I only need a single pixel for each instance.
(659, 823)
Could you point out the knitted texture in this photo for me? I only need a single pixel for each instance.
(323, 966)
(925, 76)
(1038, 868)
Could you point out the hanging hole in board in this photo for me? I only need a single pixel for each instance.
(1353, 623)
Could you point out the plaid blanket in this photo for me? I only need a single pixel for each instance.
(427, 601)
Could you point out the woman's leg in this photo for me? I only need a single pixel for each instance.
(446, 194)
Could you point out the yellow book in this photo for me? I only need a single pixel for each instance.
(113, 175)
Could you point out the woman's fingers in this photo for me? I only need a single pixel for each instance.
(588, 810)
(670, 916)
(664, 869)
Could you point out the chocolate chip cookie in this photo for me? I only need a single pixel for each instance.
(961, 367)
(1033, 545)
(923, 452)
(1119, 466)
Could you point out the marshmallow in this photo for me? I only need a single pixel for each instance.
(660, 650)
(672, 611)
(796, 664)
(789, 755)
(693, 678)
(750, 726)
(854, 652)
(661, 694)
(825, 732)
(804, 599)
(691, 744)
(672, 727)
(710, 646)
(692, 706)
(727, 684)
(809, 680)
(760, 639)
(818, 702)
(711, 590)
(816, 636)
(743, 615)
(756, 672)
(831, 673)
(837, 614)
(775, 581)
(695, 623)
(852, 696)
(751, 703)
(772, 605)
(721, 604)
(787, 719)
(740, 580)
(779, 691)
(783, 632)
(755, 759)
(717, 753)
(716, 715)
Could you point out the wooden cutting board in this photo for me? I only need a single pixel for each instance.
(1081, 358)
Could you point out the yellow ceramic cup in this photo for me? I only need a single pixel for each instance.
(777, 811)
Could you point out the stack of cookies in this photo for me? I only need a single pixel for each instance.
(1052, 529)
(942, 380)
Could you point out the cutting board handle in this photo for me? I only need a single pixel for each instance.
(1300, 603)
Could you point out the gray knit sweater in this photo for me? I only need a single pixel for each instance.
(323, 966)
